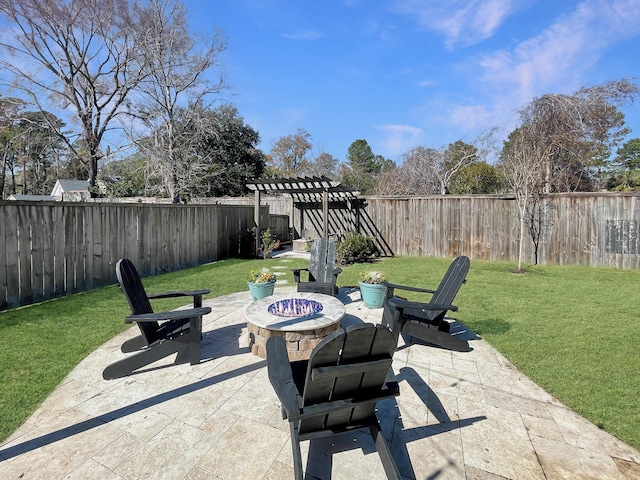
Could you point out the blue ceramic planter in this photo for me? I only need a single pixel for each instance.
(261, 290)
(372, 294)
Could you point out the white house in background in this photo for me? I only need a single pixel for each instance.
(71, 190)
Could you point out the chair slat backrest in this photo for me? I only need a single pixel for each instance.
(371, 348)
(322, 259)
(450, 284)
(452, 281)
(133, 289)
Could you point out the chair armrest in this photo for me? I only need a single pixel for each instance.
(298, 270)
(296, 273)
(401, 304)
(185, 293)
(196, 294)
(170, 315)
(337, 271)
(281, 377)
(391, 383)
(393, 286)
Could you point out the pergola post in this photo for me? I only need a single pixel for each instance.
(256, 219)
(325, 213)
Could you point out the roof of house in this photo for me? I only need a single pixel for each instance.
(71, 186)
(40, 198)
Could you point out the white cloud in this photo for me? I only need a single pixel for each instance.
(399, 139)
(559, 56)
(427, 83)
(557, 60)
(472, 117)
(306, 35)
(462, 22)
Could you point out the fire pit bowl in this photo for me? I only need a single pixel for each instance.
(303, 319)
(295, 307)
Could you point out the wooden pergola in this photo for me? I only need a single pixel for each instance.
(302, 190)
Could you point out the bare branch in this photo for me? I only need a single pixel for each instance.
(79, 53)
(175, 67)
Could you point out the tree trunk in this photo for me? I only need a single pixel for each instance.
(547, 177)
(3, 175)
(93, 144)
(521, 241)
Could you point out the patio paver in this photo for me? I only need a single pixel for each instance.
(465, 415)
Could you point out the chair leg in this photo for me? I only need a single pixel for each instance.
(384, 452)
(195, 338)
(430, 333)
(297, 454)
(133, 344)
(392, 320)
(128, 365)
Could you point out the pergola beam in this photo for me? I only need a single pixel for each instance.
(304, 190)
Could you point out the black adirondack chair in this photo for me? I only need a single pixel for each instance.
(322, 271)
(161, 334)
(337, 389)
(426, 321)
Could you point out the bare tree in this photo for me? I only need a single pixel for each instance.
(175, 65)
(416, 175)
(522, 164)
(426, 171)
(10, 111)
(459, 155)
(577, 128)
(80, 54)
(324, 164)
(220, 152)
(289, 154)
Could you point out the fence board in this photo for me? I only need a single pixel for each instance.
(130, 228)
(69, 249)
(39, 238)
(145, 241)
(6, 246)
(11, 257)
(24, 255)
(117, 237)
(96, 252)
(57, 219)
(87, 246)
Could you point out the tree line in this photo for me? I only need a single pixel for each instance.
(135, 66)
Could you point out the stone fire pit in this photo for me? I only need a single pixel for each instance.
(303, 319)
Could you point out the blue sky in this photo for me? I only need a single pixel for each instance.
(403, 73)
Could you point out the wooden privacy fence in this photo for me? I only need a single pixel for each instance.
(50, 249)
(54, 248)
(595, 229)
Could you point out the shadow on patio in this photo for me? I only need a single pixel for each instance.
(459, 415)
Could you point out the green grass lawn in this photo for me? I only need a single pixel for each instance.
(570, 329)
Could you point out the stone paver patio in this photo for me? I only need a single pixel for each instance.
(459, 416)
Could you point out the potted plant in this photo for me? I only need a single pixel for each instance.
(372, 288)
(261, 283)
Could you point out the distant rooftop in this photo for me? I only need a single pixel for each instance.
(66, 186)
(32, 198)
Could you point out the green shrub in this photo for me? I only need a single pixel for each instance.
(269, 243)
(356, 248)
